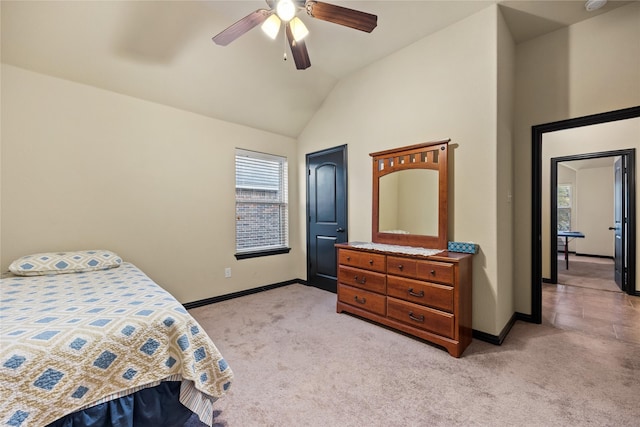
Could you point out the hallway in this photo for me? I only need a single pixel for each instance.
(607, 314)
(587, 272)
(587, 299)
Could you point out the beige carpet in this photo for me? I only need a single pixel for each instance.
(588, 272)
(299, 363)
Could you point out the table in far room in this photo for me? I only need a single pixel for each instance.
(567, 236)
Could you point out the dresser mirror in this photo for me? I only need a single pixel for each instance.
(410, 195)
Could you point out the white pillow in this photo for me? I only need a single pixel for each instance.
(64, 262)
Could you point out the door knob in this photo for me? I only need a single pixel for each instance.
(340, 230)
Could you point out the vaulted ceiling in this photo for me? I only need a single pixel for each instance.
(162, 51)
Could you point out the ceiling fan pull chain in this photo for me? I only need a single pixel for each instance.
(284, 39)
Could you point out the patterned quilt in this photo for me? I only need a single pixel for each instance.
(70, 341)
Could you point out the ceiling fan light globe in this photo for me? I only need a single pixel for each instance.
(286, 10)
(271, 27)
(298, 29)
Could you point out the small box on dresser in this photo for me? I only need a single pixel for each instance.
(425, 296)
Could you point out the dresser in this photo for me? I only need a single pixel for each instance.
(428, 297)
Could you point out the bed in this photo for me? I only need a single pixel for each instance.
(92, 340)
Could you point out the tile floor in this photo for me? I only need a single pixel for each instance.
(604, 313)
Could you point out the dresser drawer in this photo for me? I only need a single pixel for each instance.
(402, 266)
(433, 271)
(360, 298)
(418, 316)
(370, 261)
(424, 293)
(364, 279)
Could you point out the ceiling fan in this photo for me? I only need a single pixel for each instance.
(285, 11)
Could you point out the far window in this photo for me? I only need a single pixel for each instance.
(564, 207)
(261, 204)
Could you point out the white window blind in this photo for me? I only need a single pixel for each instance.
(261, 202)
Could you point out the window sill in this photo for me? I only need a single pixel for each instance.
(256, 254)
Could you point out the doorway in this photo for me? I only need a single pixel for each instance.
(536, 194)
(326, 214)
(589, 207)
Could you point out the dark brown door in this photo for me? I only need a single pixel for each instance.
(326, 214)
(618, 226)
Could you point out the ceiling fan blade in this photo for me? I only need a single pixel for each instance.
(234, 31)
(343, 16)
(298, 51)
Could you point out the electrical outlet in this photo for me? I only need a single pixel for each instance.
(227, 272)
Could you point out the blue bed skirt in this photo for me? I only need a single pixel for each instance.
(154, 406)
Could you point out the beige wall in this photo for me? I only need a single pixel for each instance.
(443, 86)
(504, 171)
(84, 168)
(588, 68)
(595, 211)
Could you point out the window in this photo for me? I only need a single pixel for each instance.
(262, 226)
(565, 202)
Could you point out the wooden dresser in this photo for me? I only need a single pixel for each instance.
(425, 296)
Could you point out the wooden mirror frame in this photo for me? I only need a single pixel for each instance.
(419, 156)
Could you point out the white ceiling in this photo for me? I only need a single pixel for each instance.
(162, 51)
(599, 162)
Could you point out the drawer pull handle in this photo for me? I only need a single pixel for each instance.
(360, 301)
(371, 262)
(400, 267)
(362, 282)
(415, 318)
(348, 258)
(433, 272)
(414, 294)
